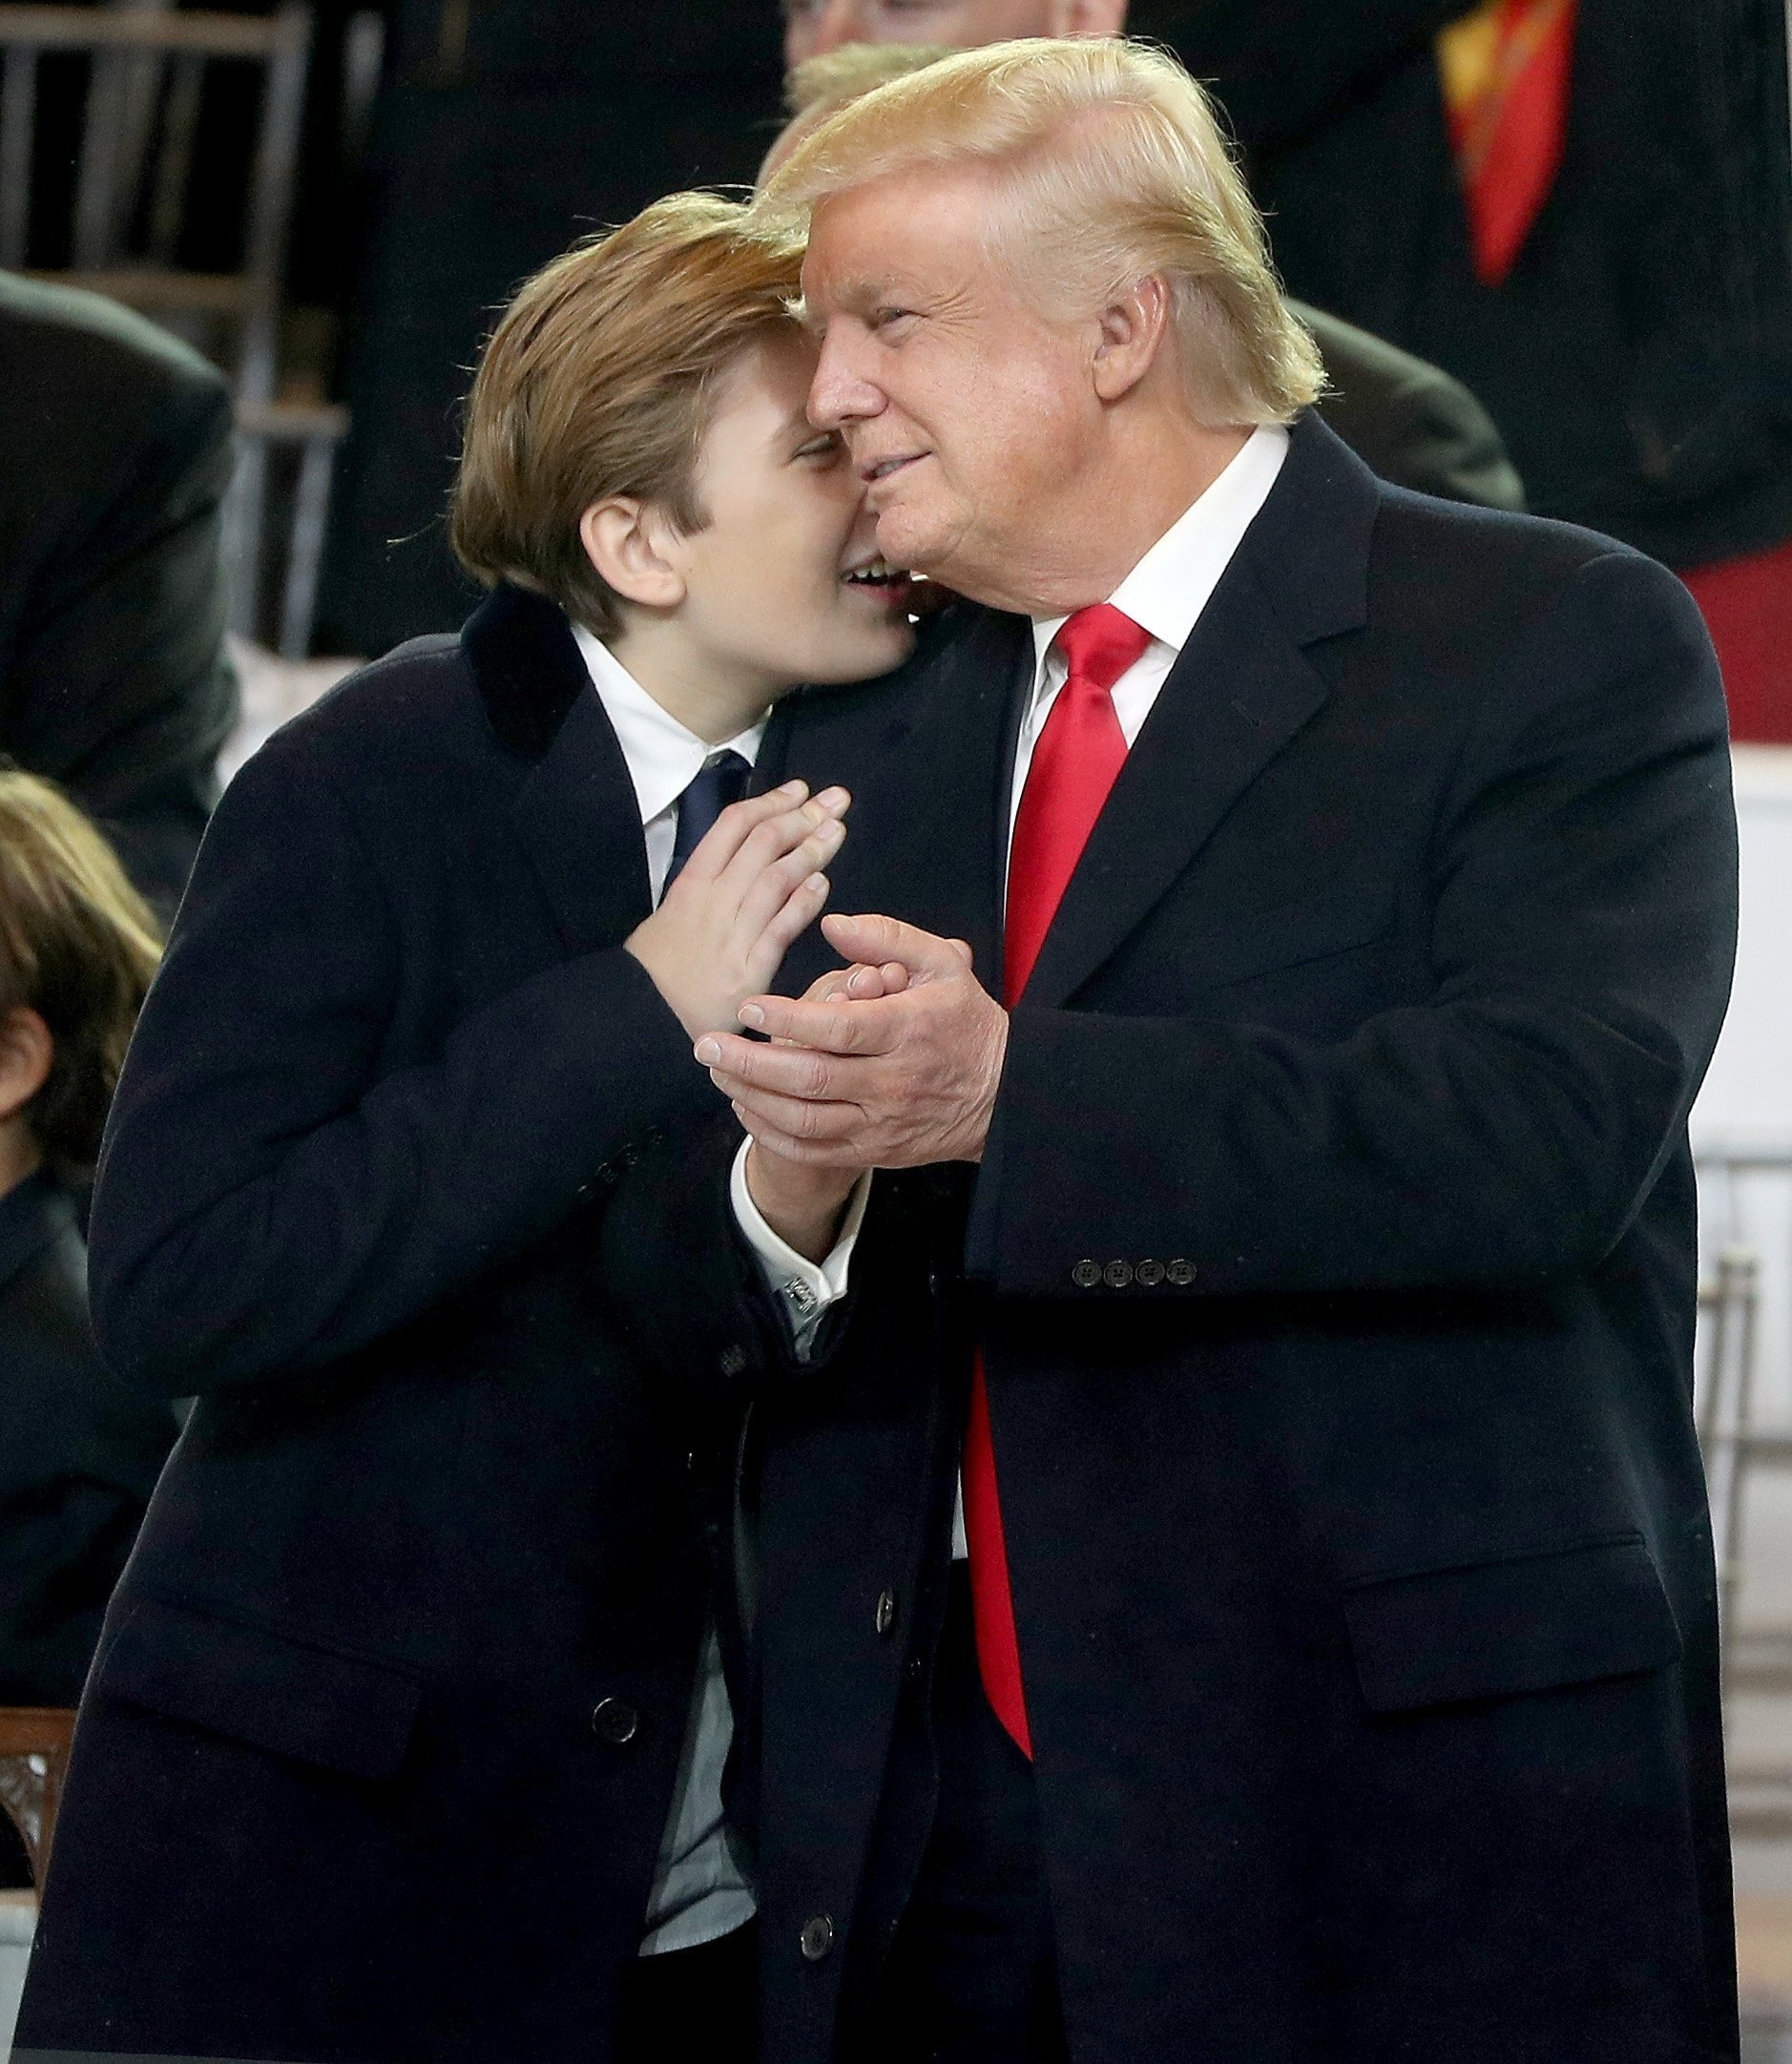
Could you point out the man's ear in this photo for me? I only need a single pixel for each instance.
(1088, 19)
(633, 548)
(27, 1052)
(1135, 330)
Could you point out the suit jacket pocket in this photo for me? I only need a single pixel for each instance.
(1495, 1629)
(267, 1689)
(1334, 920)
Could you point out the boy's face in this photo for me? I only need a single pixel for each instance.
(770, 586)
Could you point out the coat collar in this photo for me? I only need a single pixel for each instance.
(574, 810)
(33, 1214)
(927, 841)
(1242, 688)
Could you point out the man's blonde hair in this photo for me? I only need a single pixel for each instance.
(1113, 166)
(600, 379)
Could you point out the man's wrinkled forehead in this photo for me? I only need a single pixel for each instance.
(910, 235)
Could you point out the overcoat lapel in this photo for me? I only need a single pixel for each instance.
(1242, 688)
(1240, 692)
(937, 845)
(574, 810)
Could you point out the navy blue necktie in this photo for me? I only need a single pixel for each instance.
(715, 785)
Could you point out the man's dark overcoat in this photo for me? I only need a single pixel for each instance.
(1333, 1261)
(380, 1739)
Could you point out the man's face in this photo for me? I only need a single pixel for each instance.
(968, 415)
(813, 27)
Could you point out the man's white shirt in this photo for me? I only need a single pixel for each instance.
(1165, 593)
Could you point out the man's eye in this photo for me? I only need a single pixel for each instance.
(883, 319)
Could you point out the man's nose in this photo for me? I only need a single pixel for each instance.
(816, 29)
(839, 393)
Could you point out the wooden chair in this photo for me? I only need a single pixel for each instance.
(34, 1761)
(148, 66)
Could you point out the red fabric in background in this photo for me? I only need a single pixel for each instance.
(1508, 194)
(1747, 605)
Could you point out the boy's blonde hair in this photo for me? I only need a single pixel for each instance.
(600, 380)
(1111, 166)
(79, 947)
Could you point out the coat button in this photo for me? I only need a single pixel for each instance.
(615, 1722)
(1117, 1275)
(1086, 1275)
(884, 1620)
(817, 1938)
(1180, 1273)
(1148, 1275)
(732, 1360)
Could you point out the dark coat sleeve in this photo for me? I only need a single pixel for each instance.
(276, 1189)
(116, 685)
(79, 1456)
(1583, 897)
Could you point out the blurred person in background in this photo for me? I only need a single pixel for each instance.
(503, 130)
(406, 1736)
(1411, 423)
(79, 1453)
(113, 681)
(1580, 208)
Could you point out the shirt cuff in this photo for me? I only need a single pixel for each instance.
(807, 1289)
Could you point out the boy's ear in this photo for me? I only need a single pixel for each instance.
(27, 1052)
(633, 548)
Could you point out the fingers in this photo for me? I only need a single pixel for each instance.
(786, 1071)
(783, 818)
(877, 940)
(766, 894)
(851, 1026)
(862, 984)
(812, 1152)
(793, 1117)
(802, 907)
(808, 835)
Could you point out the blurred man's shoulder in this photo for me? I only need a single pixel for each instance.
(68, 336)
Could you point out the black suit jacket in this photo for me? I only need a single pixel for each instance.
(113, 677)
(382, 1737)
(1333, 1262)
(1638, 360)
(78, 1454)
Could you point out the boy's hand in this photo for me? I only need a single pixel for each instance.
(804, 1205)
(752, 886)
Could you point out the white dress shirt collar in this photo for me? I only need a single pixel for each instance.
(663, 756)
(1167, 590)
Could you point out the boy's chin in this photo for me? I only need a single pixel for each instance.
(865, 659)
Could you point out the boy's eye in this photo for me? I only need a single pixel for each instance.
(820, 448)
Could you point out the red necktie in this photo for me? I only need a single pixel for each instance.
(1079, 753)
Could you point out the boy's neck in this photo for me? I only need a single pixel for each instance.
(709, 701)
